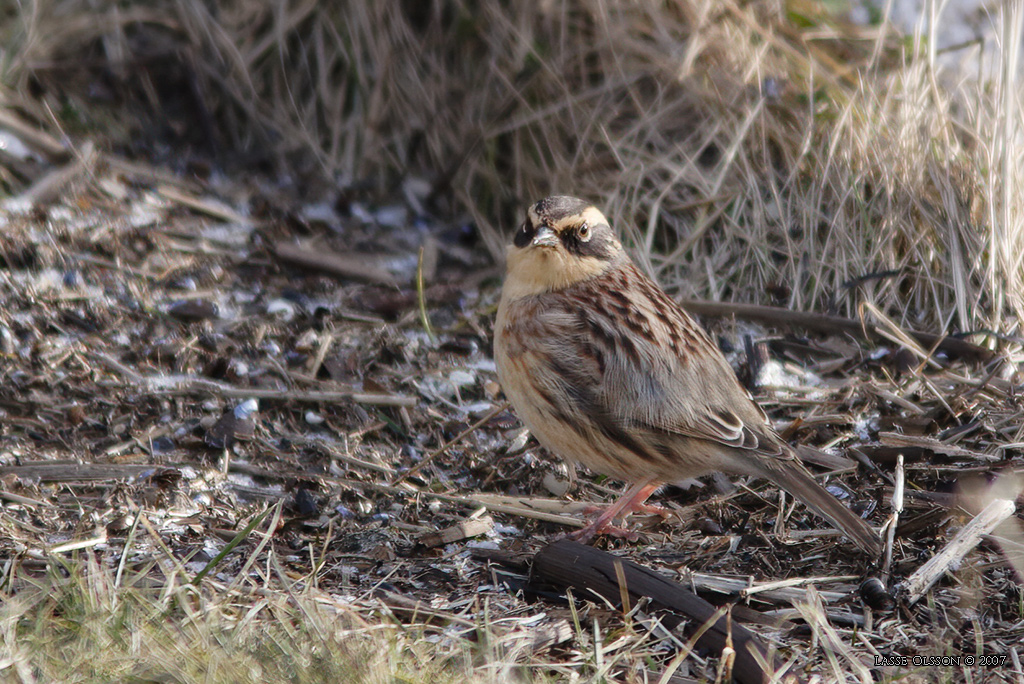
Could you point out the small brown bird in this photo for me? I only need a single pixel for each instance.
(605, 369)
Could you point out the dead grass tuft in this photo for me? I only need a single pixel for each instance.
(76, 622)
(753, 152)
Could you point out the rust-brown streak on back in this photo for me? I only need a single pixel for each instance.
(643, 310)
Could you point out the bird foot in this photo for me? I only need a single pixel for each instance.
(646, 508)
(586, 534)
(632, 500)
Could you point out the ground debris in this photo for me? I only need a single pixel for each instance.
(171, 384)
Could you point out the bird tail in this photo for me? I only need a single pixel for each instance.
(791, 476)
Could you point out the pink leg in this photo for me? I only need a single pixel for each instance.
(631, 500)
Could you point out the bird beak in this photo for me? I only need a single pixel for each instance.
(545, 237)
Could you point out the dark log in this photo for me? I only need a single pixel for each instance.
(567, 563)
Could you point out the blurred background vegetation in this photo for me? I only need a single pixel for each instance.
(770, 152)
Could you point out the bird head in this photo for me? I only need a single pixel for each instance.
(563, 241)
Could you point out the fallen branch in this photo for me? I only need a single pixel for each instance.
(952, 346)
(567, 563)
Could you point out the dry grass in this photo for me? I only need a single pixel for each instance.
(82, 622)
(752, 151)
(762, 152)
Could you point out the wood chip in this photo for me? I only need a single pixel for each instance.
(467, 529)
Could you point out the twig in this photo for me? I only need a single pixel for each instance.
(212, 208)
(52, 185)
(23, 500)
(421, 298)
(79, 544)
(892, 332)
(37, 138)
(198, 386)
(356, 266)
(492, 503)
(783, 592)
(899, 479)
(591, 571)
(449, 444)
(895, 439)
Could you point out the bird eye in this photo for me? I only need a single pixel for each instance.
(583, 231)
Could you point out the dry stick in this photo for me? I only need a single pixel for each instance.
(35, 137)
(23, 500)
(79, 544)
(888, 329)
(449, 444)
(356, 266)
(895, 439)
(469, 500)
(327, 396)
(783, 592)
(54, 183)
(212, 208)
(918, 584)
(305, 440)
(491, 502)
(185, 384)
(899, 479)
(830, 324)
(793, 582)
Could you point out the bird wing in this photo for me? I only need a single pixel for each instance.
(640, 364)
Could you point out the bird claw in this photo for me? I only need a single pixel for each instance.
(645, 508)
(586, 534)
